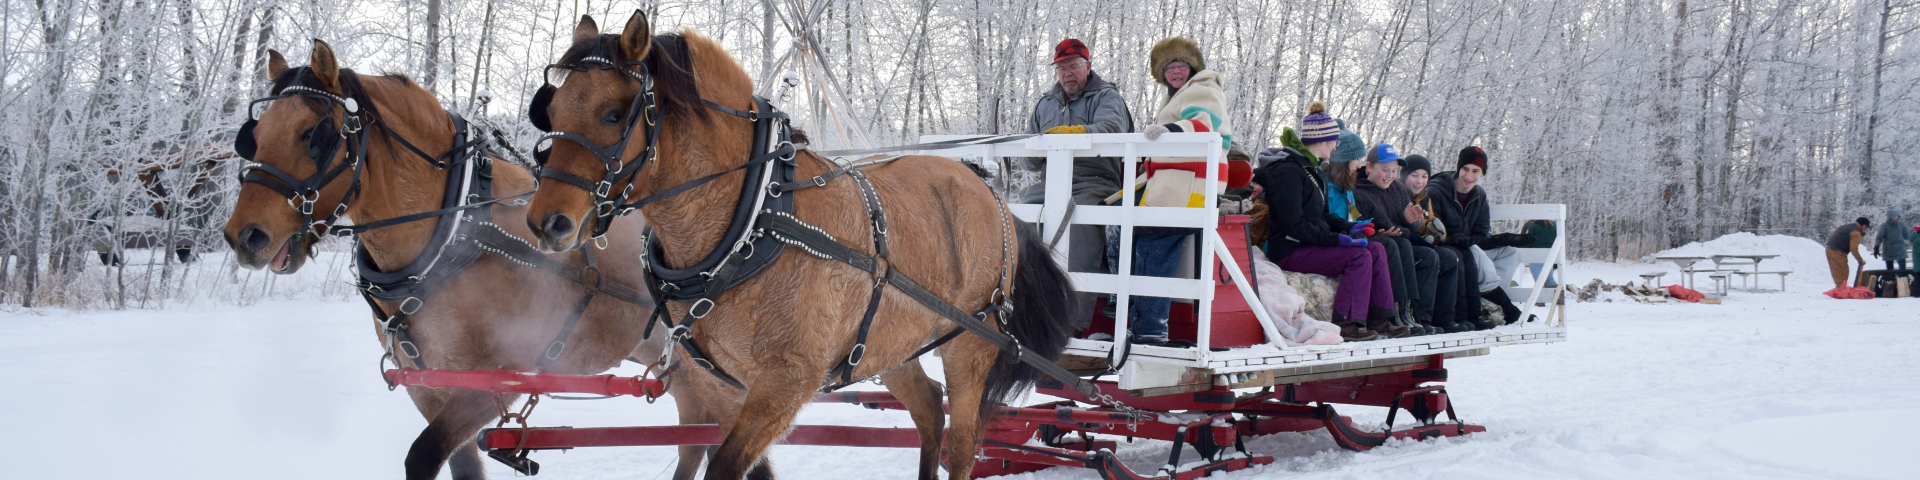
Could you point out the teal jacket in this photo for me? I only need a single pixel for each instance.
(1893, 238)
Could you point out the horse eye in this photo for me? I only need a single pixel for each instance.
(612, 117)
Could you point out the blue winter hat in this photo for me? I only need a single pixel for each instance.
(1351, 147)
(1383, 153)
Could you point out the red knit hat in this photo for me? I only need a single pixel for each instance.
(1070, 48)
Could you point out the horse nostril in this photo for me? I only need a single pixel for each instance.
(559, 226)
(255, 238)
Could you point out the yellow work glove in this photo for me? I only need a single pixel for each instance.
(1068, 129)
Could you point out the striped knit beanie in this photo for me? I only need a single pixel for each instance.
(1318, 126)
(1351, 147)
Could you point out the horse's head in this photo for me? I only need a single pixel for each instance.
(625, 114)
(297, 144)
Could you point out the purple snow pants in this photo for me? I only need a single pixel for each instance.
(1362, 272)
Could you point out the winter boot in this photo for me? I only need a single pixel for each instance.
(1416, 327)
(1383, 320)
(1352, 331)
(1507, 310)
(1456, 326)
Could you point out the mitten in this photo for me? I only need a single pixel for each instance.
(1068, 129)
(1153, 132)
(1346, 241)
(1362, 229)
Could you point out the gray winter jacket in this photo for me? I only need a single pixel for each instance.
(1103, 110)
(1891, 241)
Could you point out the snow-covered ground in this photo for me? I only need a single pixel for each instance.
(1768, 385)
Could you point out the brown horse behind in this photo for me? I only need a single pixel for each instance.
(780, 331)
(495, 313)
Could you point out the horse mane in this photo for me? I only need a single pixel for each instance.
(676, 89)
(351, 86)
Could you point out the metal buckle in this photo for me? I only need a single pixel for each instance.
(859, 351)
(415, 302)
(409, 349)
(554, 349)
(350, 124)
(678, 333)
(700, 308)
(703, 363)
(305, 205)
(602, 189)
(773, 189)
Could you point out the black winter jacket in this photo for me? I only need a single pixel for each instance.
(1296, 204)
(1467, 224)
(1385, 205)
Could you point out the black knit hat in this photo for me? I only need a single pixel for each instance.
(1415, 162)
(1472, 156)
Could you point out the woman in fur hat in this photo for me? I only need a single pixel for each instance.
(1195, 103)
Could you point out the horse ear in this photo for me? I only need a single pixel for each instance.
(276, 63)
(325, 66)
(586, 30)
(637, 38)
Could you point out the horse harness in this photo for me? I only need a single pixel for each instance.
(465, 233)
(764, 215)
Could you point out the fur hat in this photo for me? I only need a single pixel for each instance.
(1318, 126)
(1176, 48)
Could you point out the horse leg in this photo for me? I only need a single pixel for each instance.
(453, 427)
(922, 396)
(761, 471)
(772, 401)
(466, 464)
(967, 361)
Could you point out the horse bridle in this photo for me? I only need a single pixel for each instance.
(324, 140)
(605, 204)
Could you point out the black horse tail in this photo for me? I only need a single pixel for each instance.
(1044, 308)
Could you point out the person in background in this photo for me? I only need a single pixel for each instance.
(1081, 102)
(1388, 202)
(1843, 241)
(1304, 236)
(1890, 242)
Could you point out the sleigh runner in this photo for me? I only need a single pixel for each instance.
(1210, 400)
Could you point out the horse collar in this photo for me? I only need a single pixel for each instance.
(444, 257)
(743, 251)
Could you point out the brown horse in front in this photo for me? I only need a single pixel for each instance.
(495, 313)
(780, 331)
